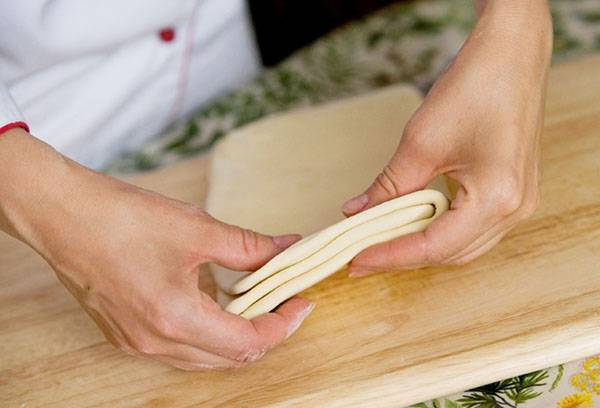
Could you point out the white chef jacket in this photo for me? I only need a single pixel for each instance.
(97, 78)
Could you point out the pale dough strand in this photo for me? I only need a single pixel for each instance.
(309, 245)
(312, 277)
(333, 248)
(324, 253)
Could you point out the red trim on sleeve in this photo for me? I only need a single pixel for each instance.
(13, 125)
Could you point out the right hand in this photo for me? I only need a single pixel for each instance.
(130, 257)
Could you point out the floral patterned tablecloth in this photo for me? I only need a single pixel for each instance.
(409, 42)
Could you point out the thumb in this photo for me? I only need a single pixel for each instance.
(406, 172)
(242, 249)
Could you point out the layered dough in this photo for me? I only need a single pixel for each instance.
(318, 256)
(291, 173)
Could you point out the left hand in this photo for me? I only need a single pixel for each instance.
(130, 257)
(480, 125)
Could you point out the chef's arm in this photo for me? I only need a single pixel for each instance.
(480, 125)
(130, 257)
(514, 6)
(29, 171)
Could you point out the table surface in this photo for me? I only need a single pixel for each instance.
(532, 302)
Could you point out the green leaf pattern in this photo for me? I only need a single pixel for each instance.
(408, 42)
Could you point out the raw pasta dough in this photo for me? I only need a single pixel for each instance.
(320, 255)
(292, 172)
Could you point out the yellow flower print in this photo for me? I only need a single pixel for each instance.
(591, 371)
(582, 382)
(588, 381)
(577, 400)
(594, 376)
(592, 364)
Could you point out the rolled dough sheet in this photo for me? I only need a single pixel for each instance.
(292, 172)
(320, 255)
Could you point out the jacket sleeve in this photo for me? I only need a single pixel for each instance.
(10, 117)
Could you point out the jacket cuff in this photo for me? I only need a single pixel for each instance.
(12, 125)
(10, 117)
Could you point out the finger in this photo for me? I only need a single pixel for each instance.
(454, 230)
(242, 249)
(468, 257)
(190, 366)
(239, 339)
(191, 357)
(498, 229)
(284, 321)
(405, 173)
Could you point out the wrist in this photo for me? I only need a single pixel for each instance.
(512, 40)
(32, 174)
(539, 8)
(525, 23)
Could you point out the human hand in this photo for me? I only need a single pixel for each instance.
(480, 125)
(130, 257)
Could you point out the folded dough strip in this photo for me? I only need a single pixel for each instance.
(312, 277)
(399, 217)
(315, 242)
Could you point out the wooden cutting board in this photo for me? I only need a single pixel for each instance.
(533, 302)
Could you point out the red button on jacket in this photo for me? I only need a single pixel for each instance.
(167, 34)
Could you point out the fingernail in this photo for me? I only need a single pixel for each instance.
(284, 241)
(357, 272)
(254, 355)
(296, 323)
(356, 204)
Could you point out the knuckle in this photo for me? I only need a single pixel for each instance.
(197, 226)
(509, 204)
(166, 327)
(143, 345)
(386, 181)
(414, 127)
(434, 255)
(165, 321)
(250, 242)
(162, 313)
(194, 214)
(200, 214)
(416, 140)
(435, 252)
(508, 195)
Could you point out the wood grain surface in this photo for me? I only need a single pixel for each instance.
(387, 340)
